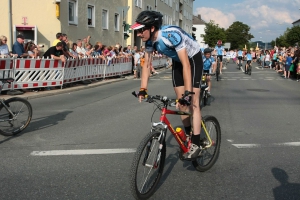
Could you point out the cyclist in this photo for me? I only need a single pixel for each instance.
(208, 64)
(186, 69)
(220, 52)
(240, 57)
(249, 60)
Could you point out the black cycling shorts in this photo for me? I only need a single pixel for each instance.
(240, 57)
(248, 62)
(221, 57)
(196, 64)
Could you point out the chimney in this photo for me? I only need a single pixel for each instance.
(199, 16)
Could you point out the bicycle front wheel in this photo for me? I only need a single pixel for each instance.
(16, 117)
(147, 166)
(209, 155)
(218, 72)
(249, 70)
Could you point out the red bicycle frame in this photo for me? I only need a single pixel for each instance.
(164, 119)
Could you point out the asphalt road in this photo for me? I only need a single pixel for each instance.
(259, 113)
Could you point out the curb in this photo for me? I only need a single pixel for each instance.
(35, 95)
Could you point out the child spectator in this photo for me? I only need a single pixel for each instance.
(288, 63)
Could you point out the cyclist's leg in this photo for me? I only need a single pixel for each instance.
(221, 64)
(178, 84)
(208, 83)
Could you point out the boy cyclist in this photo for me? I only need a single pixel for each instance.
(240, 57)
(186, 68)
(208, 64)
(249, 60)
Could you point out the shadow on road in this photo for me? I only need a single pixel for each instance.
(41, 123)
(286, 190)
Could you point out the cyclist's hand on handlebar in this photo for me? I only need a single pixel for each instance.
(142, 94)
(186, 99)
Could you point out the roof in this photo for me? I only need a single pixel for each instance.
(197, 20)
(296, 21)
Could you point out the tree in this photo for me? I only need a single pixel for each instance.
(213, 33)
(293, 35)
(238, 35)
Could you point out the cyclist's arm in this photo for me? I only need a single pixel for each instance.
(146, 69)
(186, 68)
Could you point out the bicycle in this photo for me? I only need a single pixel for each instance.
(218, 69)
(151, 152)
(240, 63)
(204, 89)
(249, 69)
(15, 113)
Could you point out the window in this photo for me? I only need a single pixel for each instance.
(104, 19)
(73, 16)
(117, 22)
(148, 7)
(170, 3)
(177, 7)
(138, 3)
(91, 16)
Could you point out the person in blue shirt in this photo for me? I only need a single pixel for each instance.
(187, 68)
(209, 64)
(249, 60)
(220, 52)
(288, 63)
(18, 47)
(240, 57)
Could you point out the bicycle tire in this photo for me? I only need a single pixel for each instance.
(199, 162)
(249, 70)
(201, 98)
(12, 127)
(136, 192)
(205, 98)
(218, 71)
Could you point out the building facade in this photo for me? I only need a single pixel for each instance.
(296, 23)
(199, 25)
(40, 20)
(175, 12)
(103, 20)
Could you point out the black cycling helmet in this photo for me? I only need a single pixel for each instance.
(207, 50)
(148, 19)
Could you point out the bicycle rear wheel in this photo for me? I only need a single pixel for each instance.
(22, 111)
(147, 166)
(209, 156)
(249, 69)
(218, 71)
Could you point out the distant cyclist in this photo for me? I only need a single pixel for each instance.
(240, 57)
(209, 64)
(187, 68)
(249, 60)
(220, 52)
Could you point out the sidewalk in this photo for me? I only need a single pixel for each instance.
(77, 87)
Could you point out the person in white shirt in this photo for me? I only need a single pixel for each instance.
(4, 51)
(80, 49)
(137, 64)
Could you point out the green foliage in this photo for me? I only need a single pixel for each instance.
(293, 35)
(213, 33)
(238, 35)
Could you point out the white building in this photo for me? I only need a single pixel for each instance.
(296, 23)
(199, 24)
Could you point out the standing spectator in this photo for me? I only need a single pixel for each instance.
(18, 47)
(288, 63)
(55, 52)
(80, 50)
(137, 62)
(58, 39)
(65, 49)
(4, 51)
(86, 40)
(32, 50)
(267, 59)
(73, 51)
(88, 49)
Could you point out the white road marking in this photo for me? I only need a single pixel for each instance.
(230, 140)
(246, 146)
(284, 144)
(242, 69)
(253, 79)
(244, 79)
(268, 79)
(232, 79)
(81, 152)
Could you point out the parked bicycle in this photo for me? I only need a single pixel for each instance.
(15, 113)
(149, 159)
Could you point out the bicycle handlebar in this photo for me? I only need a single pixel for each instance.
(151, 98)
(208, 74)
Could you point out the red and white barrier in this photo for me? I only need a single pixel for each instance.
(35, 73)
(7, 70)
